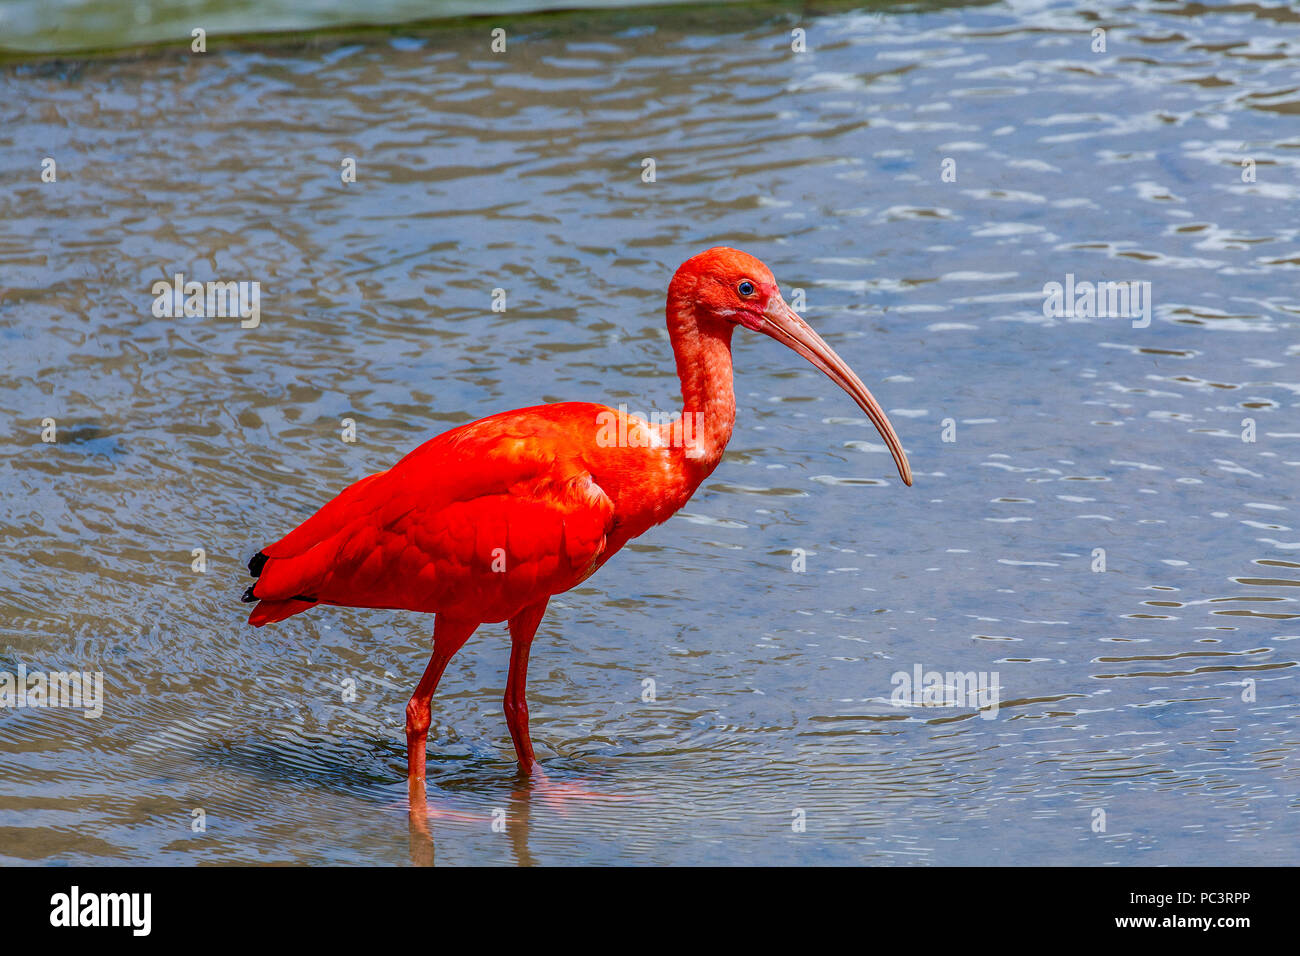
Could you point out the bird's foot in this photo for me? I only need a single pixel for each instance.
(559, 794)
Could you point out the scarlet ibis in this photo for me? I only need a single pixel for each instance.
(484, 523)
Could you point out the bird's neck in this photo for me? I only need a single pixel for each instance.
(702, 349)
(662, 472)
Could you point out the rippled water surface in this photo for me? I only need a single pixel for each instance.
(1148, 713)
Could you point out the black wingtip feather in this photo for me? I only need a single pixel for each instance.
(256, 563)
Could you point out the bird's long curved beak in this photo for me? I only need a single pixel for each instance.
(785, 325)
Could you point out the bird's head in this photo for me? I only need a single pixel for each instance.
(731, 287)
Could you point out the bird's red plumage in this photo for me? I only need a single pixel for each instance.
(478, 522)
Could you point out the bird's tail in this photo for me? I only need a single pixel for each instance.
(268, 612)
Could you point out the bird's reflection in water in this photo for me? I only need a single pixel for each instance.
(516, 822)
(526, 789)
(421, 837)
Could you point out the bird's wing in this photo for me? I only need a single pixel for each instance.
(497, 513)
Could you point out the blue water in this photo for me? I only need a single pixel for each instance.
(1147, 711)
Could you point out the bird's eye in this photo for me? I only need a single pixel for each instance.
(745, 288)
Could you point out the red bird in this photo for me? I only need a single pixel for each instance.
(486, 522)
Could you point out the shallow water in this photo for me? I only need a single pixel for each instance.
(1161, 692)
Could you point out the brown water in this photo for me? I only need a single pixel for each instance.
(1162, 692)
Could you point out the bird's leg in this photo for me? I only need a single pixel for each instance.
(449, 636)
(522, 628)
